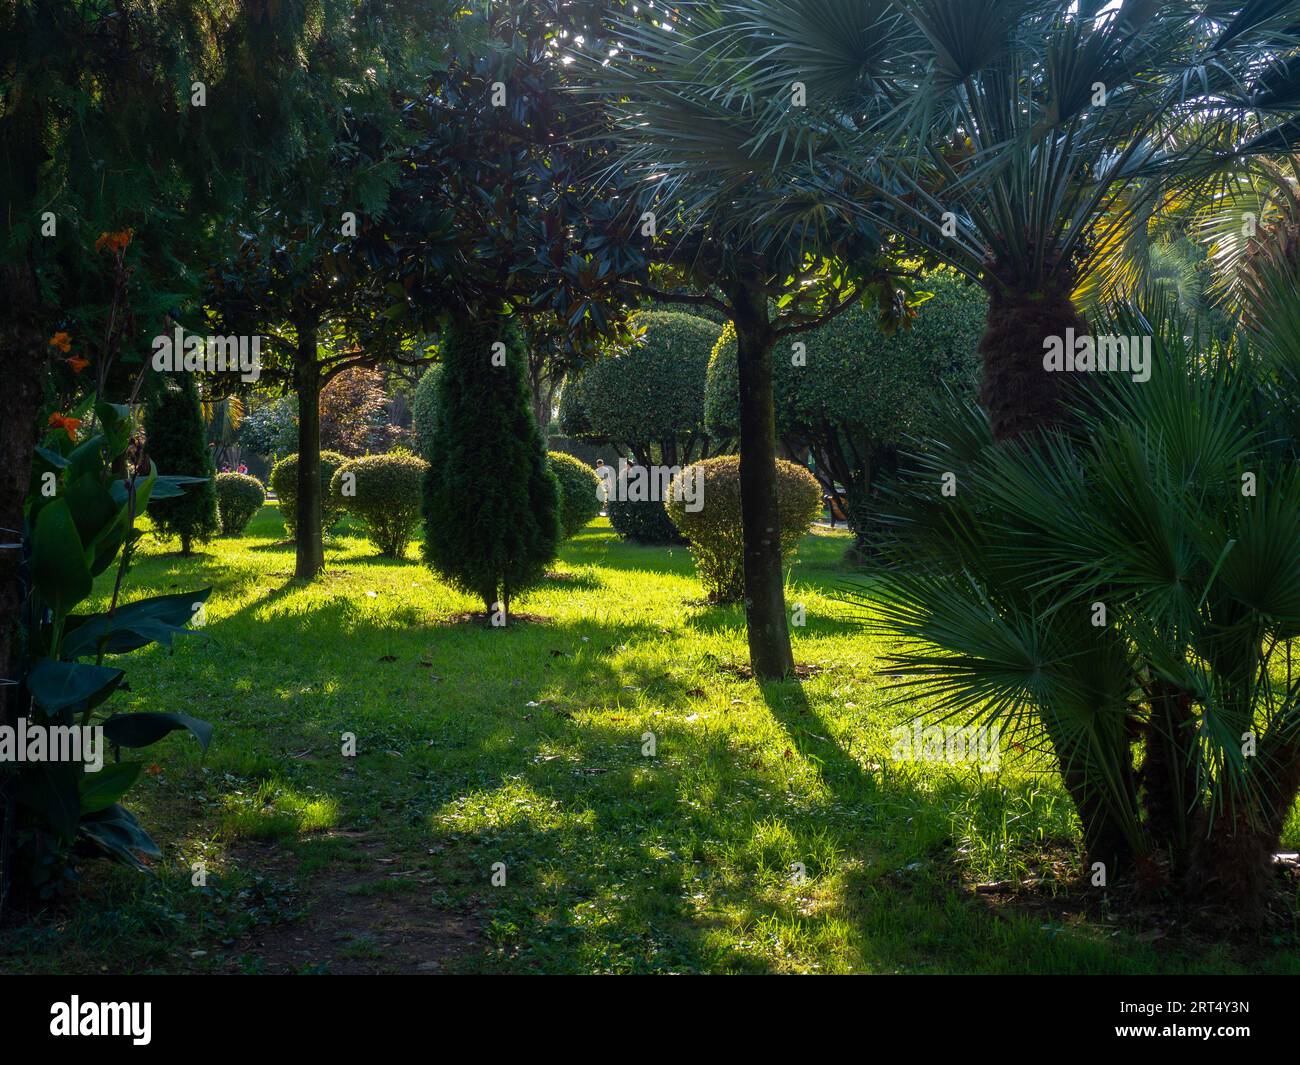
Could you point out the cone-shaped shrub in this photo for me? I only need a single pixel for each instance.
(239, 497)
(491, 503)
(384, 492)
(424, 409)
(704, 503)
(175, 440)
(579, 492)
(284, 482)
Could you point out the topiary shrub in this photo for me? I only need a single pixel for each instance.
(284, 483)
(424, 409)
(714, 529)
(384, 491)
(579, 492)
(175, 440)
(643, 522)
(491, 504)
(239, 497)
(648, 400)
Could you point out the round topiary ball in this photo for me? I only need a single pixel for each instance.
(239, 497)
(384, 491)
(284, 483)
(579, 492)
(704, 504)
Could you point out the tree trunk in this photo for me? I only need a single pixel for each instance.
(311, 548)
(770, 655)
(1231, 866)
(22, 343)
(1019, 395)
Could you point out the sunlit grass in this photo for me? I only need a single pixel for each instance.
(769, 832)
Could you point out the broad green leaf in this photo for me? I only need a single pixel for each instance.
(58, 685)
(59, 570)
(100, 790)
(142, 730)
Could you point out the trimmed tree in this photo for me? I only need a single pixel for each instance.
(384, 492)
(491, 503)
(176, 441)
(424, 409)
(856, 391)
(579, 492)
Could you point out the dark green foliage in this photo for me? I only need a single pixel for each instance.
(384, 492)
(579, 492)
(643, 522)
(175, 439)
(424, 409)
(239, 497)
(284, 483)
(648, 400)
(712, 522)
(491, 504)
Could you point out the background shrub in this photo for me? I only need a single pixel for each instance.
(649, 400)
(284, 483)
(176, 440)
(643, 522)
(239, 497)
(424, 409)
(386, 497)
(579, 492)
(714, 531)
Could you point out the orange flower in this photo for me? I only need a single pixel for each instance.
(62, 341)
(153, 769)
(78, 363)
(114, 242)
(68, 425)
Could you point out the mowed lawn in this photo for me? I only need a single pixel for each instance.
(769, 832)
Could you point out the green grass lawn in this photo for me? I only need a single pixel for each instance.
(525, 747)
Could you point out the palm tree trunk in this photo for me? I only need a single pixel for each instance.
(770, 655)
(310, 548)
(1231, 866)
(1018, 394)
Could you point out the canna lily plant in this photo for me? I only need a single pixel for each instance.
(82, 504)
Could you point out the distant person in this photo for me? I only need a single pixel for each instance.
(829, 501)
(605, 473)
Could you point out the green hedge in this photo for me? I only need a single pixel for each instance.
(715, 531)
(648, 400)
(239, 497)
(424, 409)
(579, 492)
(284, 483)
(384, 491)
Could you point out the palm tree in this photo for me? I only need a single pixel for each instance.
(1024, 142)
(738, 222)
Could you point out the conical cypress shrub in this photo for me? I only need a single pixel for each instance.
(491, 503)
(175, 440)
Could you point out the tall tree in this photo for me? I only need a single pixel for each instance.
(740, 219)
